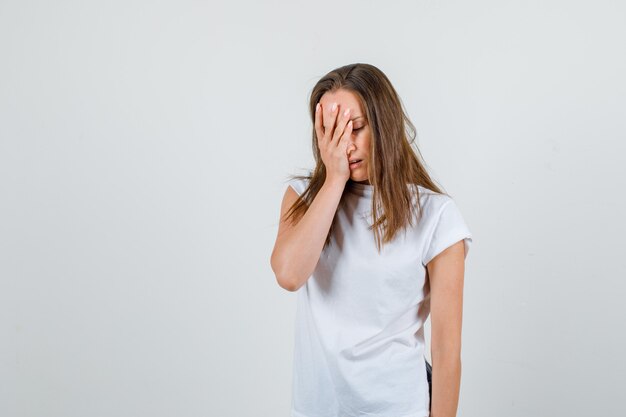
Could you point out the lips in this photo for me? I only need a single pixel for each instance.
(355, 164)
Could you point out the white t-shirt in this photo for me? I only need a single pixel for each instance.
(359, 337)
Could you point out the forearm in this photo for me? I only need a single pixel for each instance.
(298, 252)
(446, 383)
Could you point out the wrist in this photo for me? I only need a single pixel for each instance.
(335, 183)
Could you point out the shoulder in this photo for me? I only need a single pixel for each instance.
(298, 183)
(432, 202)
(443, 224)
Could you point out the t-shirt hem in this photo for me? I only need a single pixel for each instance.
(295, 413)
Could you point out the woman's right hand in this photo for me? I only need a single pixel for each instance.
(333, 140)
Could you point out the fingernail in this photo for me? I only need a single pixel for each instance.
(334, 107)
(345, 113)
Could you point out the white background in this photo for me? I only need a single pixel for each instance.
(144, 148)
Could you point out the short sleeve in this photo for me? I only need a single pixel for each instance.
(298, 184)
(449, 228)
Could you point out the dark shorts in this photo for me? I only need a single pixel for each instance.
(429, 376)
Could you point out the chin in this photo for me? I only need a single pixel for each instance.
(358, 178)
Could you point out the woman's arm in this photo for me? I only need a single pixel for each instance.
(446, 274)
(298, 247)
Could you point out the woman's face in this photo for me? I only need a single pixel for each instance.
(361, 134)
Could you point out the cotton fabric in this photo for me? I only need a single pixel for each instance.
(359, 337)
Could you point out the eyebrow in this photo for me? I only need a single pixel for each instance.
(360, 117)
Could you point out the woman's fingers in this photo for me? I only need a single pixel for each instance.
(330, 129)
(329, 121)
(344, 142)
(319, 128)
(341, 126)
(334, 133)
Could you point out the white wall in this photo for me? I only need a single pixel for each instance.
(143, 152)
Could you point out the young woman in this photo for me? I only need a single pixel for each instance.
(372, 247)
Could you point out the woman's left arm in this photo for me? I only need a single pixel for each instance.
(446, 273)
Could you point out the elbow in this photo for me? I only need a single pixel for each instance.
(451, 357)
(284, 278)
(287, 284)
